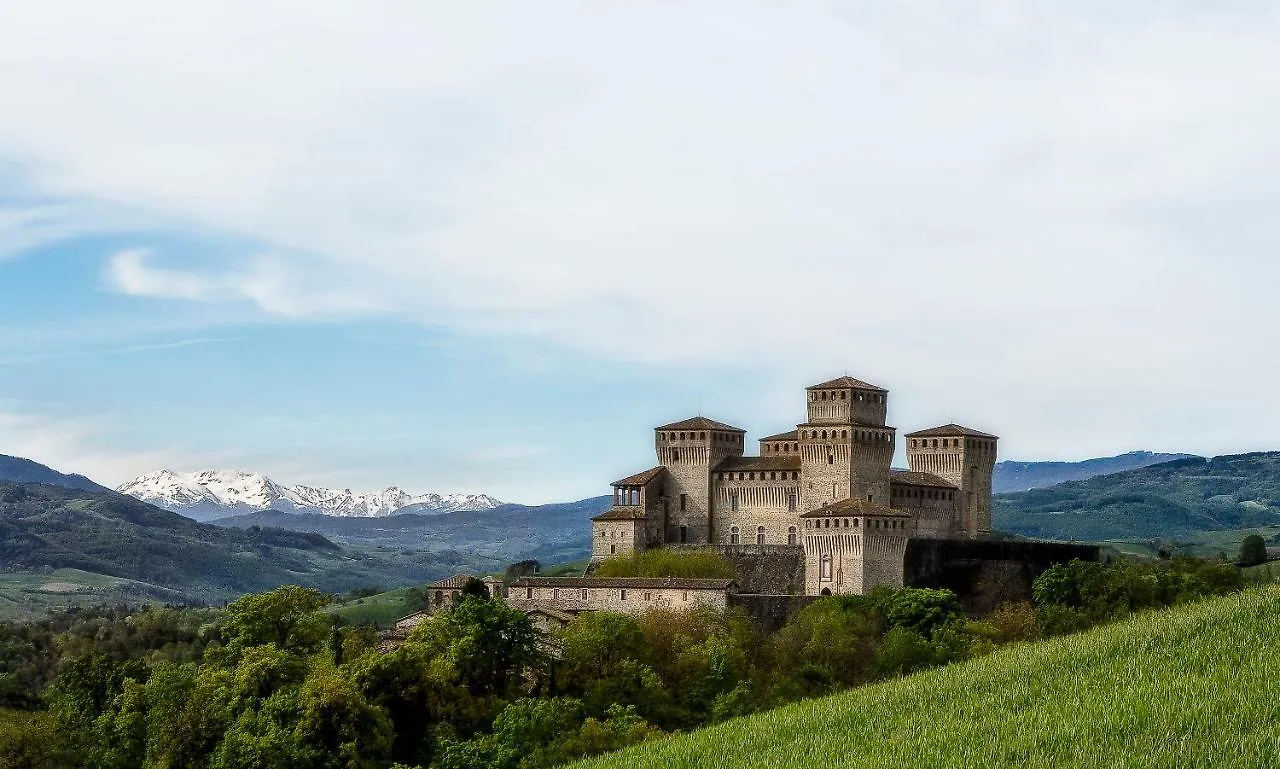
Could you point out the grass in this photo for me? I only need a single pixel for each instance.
(1194, 686)
(24, 594)
(381, 609)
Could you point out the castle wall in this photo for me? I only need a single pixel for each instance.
(766, 568)
(769, 613)
(936, 510)
(767, 499)
(610, 538)
(967, 462)
(852, 555)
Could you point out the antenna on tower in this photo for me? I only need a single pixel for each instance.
(699, 403)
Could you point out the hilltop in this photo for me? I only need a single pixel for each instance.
(1197, 685)
(1175, 499)
(1011, 476)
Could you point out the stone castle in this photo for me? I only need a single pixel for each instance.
(827, 487)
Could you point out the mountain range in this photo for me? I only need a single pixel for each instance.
(210, 494)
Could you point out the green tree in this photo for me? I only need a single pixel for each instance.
(288, 617)
(1253, 550)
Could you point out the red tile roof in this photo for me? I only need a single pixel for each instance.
(851, 506)
(949, 431)
(700, 423)
(911, 478)
(846, 383)
(640, 479)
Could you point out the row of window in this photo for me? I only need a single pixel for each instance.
(791, 502)
(859, 435)
(837, 523)
(735, 536)
(585, 594)
(954, 443)
(923, 493)
(696, 436)
(774, 475)
(775, 447)
(821, 395)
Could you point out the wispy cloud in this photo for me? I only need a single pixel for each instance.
(109, 351)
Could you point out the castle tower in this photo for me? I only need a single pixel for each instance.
(688, 450)
(845, 446)
(965, 457)
(853, 545)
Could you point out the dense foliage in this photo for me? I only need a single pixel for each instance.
(274, 680)
(1174, 499)
(1194, 686)
(1253, 550)
(666, 562)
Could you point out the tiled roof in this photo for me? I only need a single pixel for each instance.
(640, 479)
(456, 581)
(851, 506)
(911, 478)
(782, 462)
(846, 382)
(637, 583)
(791, 436)
(700, 423)
(635, 513)
(949, 431)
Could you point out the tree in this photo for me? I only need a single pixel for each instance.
(288, 617)
(475, 589)
(1253, 550)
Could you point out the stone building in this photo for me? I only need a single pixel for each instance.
(827, 487)
(630, 595)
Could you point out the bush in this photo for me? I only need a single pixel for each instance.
(1253, 550)
(666, 562)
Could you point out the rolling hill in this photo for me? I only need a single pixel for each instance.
(153, 553)
(19, 470)
(1197, 685)
(1175, 499)
(1013, 476)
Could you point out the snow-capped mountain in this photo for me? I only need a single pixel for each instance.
(210, 494)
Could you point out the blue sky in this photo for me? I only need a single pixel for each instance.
(464, 247)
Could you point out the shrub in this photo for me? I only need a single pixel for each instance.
(666, 562)
(1253, 550)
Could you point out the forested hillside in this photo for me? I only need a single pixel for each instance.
(1174, 499)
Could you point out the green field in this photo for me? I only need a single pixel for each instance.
(382, 609)
(24, 594)
(1195, 686)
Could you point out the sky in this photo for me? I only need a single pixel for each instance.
(488, 247)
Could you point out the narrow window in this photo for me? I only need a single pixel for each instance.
(648, 596)
(791, 503)
(759, 535)
(825, 572)
(684, 534)
(791, 535)
(584, 594)
(555, 593)
(613, 549)
(685, 596)
(733, 503)
(528, 593)
(624, 595)
(684, 502)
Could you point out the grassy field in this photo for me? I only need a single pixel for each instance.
(382, 609)
(31, 593)
(1196, 686)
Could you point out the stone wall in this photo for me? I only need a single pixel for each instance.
(610, 538)
(765, 500)
(986, 573)
(769, 613)
(630, 600)
(766, 569)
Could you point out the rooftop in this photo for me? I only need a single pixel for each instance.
(640, 479)
(950, 431)
(626, 582)
(789, 462)
(456, 581)
(630, 513)
(700, 423)
(846, 383)
(912, 478)
(859, 507)
(789, 436)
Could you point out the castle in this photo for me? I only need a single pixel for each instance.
(827, 487)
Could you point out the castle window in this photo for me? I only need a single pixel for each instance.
(702, 436)
(733, 502)
(759, 535)
(675, 455)
(684, 502)
(824, 435)
(555, 593)
(751, 476)
(528, 592)
(824, 571)
(648, 596)
(681, 436)
(795, 476)
(831, 459)
(684, 534)
(844, 395)
(791, 535)
(622, 595)
(734, 537)
(584, 594)
(613, 549)
(823, 396)
(786, 448)
(844, 433)
(684, 596)
(855, 523)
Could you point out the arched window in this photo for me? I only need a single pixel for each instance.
(734, 537)
(831, 459)
(791, 535)
(824, 571)
(675, 455)
(759, 535)
(844, 395)
(824, 435)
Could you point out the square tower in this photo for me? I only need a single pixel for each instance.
(688, 450)
(965, 457)
(845, 447)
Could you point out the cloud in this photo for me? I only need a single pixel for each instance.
(91, 446)
(1006, 206)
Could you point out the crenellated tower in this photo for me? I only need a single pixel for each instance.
(688, 450)
(966, 458)
(845, 446)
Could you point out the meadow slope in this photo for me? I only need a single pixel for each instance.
(1195, 686)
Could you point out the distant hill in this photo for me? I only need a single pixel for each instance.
(1021, 476)
(1172, 499)
(45, 528)
(19, 470)
(550, 533)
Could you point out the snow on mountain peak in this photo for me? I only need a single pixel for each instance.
(216, 493)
